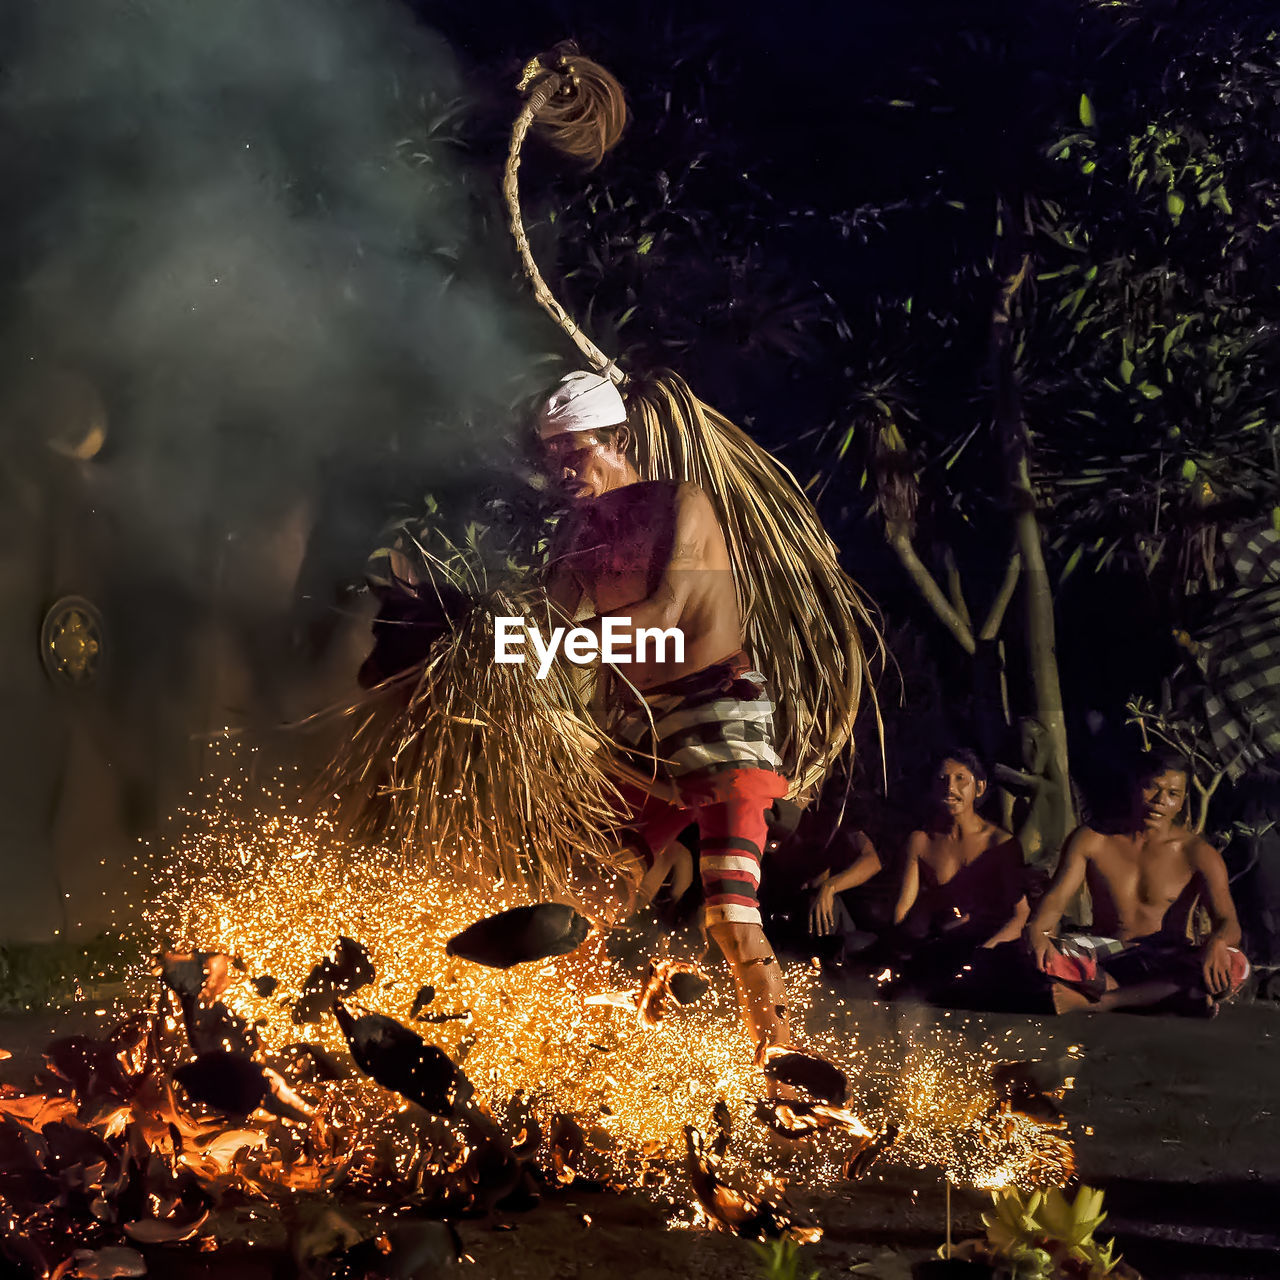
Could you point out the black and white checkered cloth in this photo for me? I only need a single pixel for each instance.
(712, 721)
(1240, 654)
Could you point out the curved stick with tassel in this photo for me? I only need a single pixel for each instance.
(580, 109)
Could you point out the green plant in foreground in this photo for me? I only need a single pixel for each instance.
(1044, 1234)
(780, 1260)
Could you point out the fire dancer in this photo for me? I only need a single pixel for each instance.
(654, 552)
(680, 521)
(1147, 880)
(962, 885)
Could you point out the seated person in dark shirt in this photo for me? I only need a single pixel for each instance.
(962, 886)
(813, 866)
(831, 915)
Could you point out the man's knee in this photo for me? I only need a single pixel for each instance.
(742, 942)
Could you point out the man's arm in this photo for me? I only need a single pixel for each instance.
(866, 865)
(1066, 884)
(1222, 911)
(822, 908)
(909, 889)
(1015, 925)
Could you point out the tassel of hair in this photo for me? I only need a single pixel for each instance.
(586, 112)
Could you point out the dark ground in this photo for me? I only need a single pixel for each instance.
(1184, 1139)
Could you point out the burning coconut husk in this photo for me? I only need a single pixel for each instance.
(808, 1072)
(1019, 1092)
(666, 980)
(116, 1154)
(859, 1164)
(521, 935)
(401, 1060)
(342, 972)
(793, 1118)
(760, 1215)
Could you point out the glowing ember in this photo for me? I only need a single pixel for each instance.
(796, 1119)
(273, 1093)
(546, 1039)
(667, 979)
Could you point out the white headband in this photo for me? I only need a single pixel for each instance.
(582, 402)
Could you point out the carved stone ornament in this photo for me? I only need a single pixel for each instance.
(71, 641)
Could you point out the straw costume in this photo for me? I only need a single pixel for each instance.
(713, 734)
(434, 762)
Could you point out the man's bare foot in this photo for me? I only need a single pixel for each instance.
(1069, 999)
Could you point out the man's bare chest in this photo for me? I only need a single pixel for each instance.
(1144, 876)
(605, 555)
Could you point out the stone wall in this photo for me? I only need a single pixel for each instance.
(90, 767)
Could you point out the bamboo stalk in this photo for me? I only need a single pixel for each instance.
(991, 627)
(955, 590)
(1013, 265)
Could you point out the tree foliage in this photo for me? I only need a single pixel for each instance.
(1151, 336)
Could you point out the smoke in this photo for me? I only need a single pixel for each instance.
(246, 224)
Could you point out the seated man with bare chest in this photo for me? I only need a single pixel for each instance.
(962, 883)
(1146, 878)
(700, 723)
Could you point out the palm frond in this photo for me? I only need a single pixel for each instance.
(479, 765)
(804, 619)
